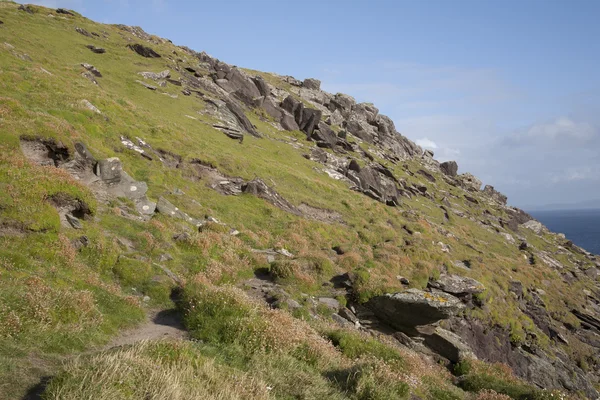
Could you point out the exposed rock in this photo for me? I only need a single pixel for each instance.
(164, 206)
(73, 221)
(535, 226)
(427, 175)
(144, 84)
(65, 12)
(330, 303)
(289, 123)
(343, 103)
(90, 106)
(449, 168)
(469, 182)
(311, 83)
(44, 151)
(349, 315)
(262, 86)
(156, 76)
(457, 285)
(83, 32)
(92, 70)
(94, 49)
(494, 194)
(109, 170)
(26, 8)
(414, 307)
(241, 117)
(143, 50)
(448, 345)
(375, 184)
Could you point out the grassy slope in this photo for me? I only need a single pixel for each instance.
(42, 277)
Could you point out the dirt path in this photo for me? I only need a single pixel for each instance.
(160, 324)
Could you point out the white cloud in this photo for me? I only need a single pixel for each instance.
(427, 143)
(562, 132)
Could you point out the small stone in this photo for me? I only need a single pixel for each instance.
(74, 222)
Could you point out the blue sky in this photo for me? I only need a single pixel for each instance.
(509, 89)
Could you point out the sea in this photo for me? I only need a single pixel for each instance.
(582, 227)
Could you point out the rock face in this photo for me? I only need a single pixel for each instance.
(449, 168)
(457, 285)
(535, 226)
(494, 194)
(469, 182)
(143, 50)
(414, 307)
(311, 83)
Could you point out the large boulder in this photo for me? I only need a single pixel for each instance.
(312, 83)
(109, 170)
(289, 123)
(457, 285)
(375, 183)
(309, 121)
(343, 103)
(449, 168)
(469, 182)
(244, 88)
(448, 345)
(535, 226)
(413, 307)
(324, 136)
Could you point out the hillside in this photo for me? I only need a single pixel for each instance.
(175, 227)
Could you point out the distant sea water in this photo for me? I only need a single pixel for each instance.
(582, 227)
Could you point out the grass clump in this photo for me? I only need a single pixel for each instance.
(153, 370)
(498, 379)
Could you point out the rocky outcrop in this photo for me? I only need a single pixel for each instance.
(311, 83)
(449, 168)
(143, 51)
(413, 307)
(493, 344)
(535, 226)
(370, 181)
(493, 194)
(456, 285)
(469, 182)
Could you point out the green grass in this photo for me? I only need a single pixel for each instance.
(42, 276)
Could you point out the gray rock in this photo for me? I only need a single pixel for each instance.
(156, 76)
(341, 321)
(343, 103)
(311, 83)
(92, 69)
(109, 170)
(330, 303)
(469, 182)
(414, 307)
(97, 50)
(144, 84)
(449, 168)
(143, 50)
(74, 222)
(457, 285)
(535, 226)
(494, 194)
(164, 206)
(448, 345)
(289, 123)
(349, 315)
(244, 122)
